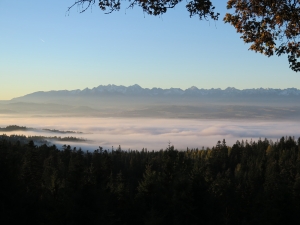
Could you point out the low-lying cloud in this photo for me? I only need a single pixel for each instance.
(155, 134)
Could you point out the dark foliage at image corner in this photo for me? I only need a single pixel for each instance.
(248, 183)
(269, 26)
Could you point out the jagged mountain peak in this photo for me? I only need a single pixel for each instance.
(137, 90)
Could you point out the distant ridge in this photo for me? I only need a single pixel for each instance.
(135, 101)
(136, 90)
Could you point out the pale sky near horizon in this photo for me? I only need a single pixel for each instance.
(44, 48)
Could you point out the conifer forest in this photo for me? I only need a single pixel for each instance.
(247, 183)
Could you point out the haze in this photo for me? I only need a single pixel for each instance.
(44, 49)
(154, 134)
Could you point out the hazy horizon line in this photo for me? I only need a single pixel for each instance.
(153, 88)
(139, 86)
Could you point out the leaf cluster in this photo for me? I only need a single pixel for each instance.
(270, 26)
(202, 8)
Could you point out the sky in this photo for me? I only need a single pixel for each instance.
(43, 48)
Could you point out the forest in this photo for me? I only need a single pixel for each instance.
(14, 128)
(247, 183)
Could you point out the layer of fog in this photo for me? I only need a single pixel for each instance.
(153, 133)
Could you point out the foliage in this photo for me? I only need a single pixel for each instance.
(248, 183)
(268, 23)
(202, 8)
(13, 128)
(270, 26)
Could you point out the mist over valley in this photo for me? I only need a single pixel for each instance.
(137, 118)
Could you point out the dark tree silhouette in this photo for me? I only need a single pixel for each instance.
(247, 183)
(268, 23)
(270, 26)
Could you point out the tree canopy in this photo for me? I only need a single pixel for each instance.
(269, 26)
(251, 182)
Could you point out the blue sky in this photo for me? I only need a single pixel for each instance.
(44, 48)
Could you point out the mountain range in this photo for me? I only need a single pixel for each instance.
(136, 90)
(135, 101)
